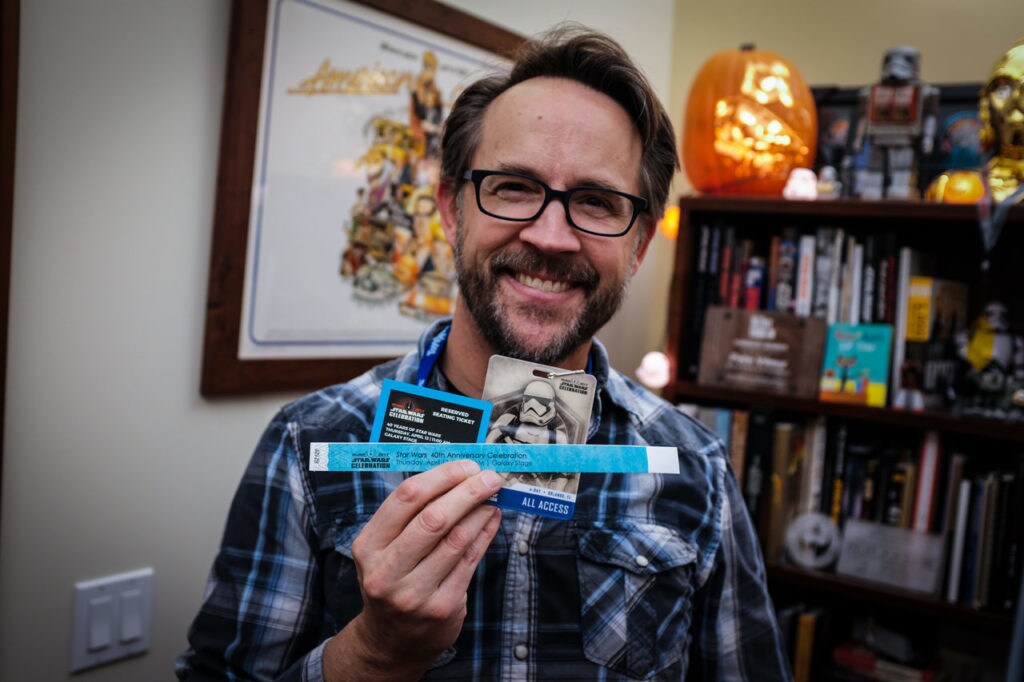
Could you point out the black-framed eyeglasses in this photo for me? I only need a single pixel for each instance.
(521, 198)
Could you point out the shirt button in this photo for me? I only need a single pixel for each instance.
(521, 651)
(523, 547)
(641, 561)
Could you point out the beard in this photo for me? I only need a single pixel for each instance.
(478, 286)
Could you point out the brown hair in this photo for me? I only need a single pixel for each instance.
(588, 57)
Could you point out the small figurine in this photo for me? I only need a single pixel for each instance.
(993, 363)
(802, 184)
(829, 186)
(898, 119)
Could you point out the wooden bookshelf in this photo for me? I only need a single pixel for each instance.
(948, 233)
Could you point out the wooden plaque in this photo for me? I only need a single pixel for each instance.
(761, 351)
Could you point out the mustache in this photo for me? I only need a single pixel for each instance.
(531, 261)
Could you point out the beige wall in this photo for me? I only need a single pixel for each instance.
(112, 461)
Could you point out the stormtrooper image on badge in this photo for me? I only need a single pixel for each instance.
(538, 405)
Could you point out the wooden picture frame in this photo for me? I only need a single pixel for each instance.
(224, 371)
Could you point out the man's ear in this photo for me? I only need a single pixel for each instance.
(646, 228)
(446, 206)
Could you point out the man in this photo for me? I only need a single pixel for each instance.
(552, 178)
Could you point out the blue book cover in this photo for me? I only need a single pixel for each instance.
(855, 368)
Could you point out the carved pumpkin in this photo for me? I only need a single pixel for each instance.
(750, 120)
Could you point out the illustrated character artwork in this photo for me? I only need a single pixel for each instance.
(897, 120)
(534, 422)
(396, 252)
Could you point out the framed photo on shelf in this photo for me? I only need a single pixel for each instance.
(328, 255)
(957, 141)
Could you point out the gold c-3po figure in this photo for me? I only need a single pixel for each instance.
(1001, 109)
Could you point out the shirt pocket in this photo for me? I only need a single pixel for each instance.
(636, 585)
(342, 598)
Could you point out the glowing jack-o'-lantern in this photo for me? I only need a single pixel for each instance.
(750, 120)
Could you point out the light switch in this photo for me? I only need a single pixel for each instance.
(101, 622)
(131, 615)
(111, 618)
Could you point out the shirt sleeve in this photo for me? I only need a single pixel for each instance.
(736, 634)
(261, 611)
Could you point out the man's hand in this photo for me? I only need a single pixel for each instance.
(415, 559)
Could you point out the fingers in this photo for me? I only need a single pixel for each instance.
(411, 496)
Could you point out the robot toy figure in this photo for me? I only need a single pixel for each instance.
(898, 119)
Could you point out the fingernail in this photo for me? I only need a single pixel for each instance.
(470, 467)
(491, 479)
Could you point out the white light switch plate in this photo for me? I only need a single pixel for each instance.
(111, 619)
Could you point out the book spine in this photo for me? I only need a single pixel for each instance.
(700, 301)
(927, 482)
(956, 553)
(786, 287)
(738, 444)
(805, 275)
(869, 275)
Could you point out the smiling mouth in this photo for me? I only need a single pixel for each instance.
(548, 285)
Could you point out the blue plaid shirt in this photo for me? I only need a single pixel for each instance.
(655, 576)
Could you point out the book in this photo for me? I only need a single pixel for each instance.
(959, 542)
(927, 482)
(773, 272)
(862, 660)
(824, 245)
(700, 299)
(836, 277)
(885, 279)
(814, 466)
(936, 312)
(785, 287)
(869, 270)
(738, 443)
(906, 377)
(784, 468)
(757, 466)
(986, 541)
(803, 299)
(832, 493)
(804, 644)
(753, 283)
(855, 368)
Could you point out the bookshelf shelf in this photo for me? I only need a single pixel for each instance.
(721, 242)
(690, 391)
(852, 590)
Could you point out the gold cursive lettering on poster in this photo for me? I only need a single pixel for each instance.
(362, 81)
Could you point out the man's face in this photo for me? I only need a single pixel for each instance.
(540, 290)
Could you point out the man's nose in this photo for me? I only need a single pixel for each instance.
(551, 231)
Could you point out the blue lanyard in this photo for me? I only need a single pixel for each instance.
(431, 355)
(433, 352)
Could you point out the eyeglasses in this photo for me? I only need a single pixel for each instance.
(520, 198)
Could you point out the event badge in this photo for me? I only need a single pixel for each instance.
(538, 405)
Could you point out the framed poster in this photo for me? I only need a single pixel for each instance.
(328, 255)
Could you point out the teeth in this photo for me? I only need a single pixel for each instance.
(542, 284)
